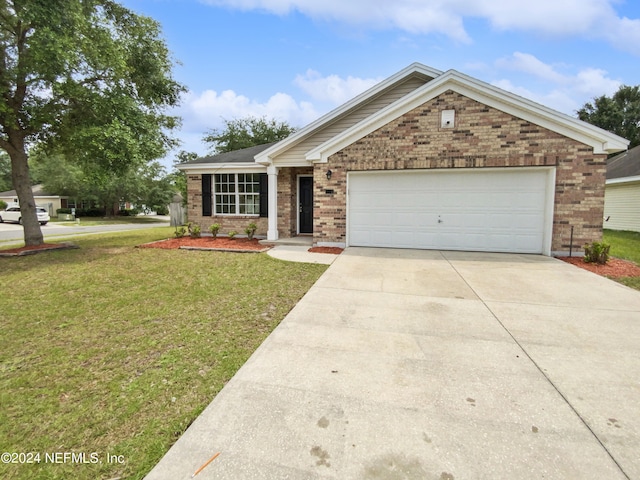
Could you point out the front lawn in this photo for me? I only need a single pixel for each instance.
(109, 352)
(96, 221)
(625, 245)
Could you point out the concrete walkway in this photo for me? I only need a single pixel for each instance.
(404, 364)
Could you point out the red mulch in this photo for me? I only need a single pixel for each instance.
(33, 249)
(223, 243)
(614, 268)
(333, 250)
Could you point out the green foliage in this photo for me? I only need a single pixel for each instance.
(597, 252)
(5, 172)
(3, 204)
(246, 132)
(177, 178)
(180, 232)
(619, 113)
(232, 234)
(88, 79)
(129, 212)
(162, 210)
(214, 229)
(194, 230)
(251, 230)
(147, 184)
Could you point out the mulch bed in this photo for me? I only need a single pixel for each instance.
(614, 268)
(332, 250)
(210, 243)
(32, 250)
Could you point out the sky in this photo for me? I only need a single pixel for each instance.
(295, 60)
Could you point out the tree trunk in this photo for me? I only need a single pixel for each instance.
(22, 184)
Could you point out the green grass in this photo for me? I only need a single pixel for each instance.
(96, 221)
(625, 245)
(116, 350)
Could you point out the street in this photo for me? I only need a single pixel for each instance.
(10, 232)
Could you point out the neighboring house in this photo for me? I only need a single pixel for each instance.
(425, 159)
(50, 201)
(622, 191)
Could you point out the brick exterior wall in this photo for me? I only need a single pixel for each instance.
(482, 137)
(227, 222)
(287, 206)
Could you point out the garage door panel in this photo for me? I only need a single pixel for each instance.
(497, 210)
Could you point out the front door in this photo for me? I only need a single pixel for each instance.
(305, 207)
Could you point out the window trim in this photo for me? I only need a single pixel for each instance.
(236, 194)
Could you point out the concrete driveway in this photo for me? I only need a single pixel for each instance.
(404, 364)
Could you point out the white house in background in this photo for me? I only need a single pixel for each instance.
(622, 191)
(50, 201)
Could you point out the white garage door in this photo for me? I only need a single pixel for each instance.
(491, 210)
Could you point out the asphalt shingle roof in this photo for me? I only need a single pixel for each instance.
(626, 164)
(244, 155)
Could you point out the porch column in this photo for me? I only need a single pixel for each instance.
(272, 177)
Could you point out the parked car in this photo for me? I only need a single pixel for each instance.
(12, 214)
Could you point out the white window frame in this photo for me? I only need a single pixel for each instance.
(236, 194)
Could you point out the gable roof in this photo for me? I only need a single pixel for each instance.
(415, 69)
(627, 164)
(601, 140)
(243, 155)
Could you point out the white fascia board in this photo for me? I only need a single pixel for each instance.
(621, 180)
(215, 167)
(601, 140)
(265, 157)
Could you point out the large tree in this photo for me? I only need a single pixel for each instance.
(87, 77)
(246, 132)
(619, 113)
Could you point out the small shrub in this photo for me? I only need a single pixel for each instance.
(251, 230)
(214, 229)
(232, 234)
(162, 210)
(180, 232)
(194, 230)
(597, 252)
(128, 212)
(3, 205)
(91, 212)
(63, 210)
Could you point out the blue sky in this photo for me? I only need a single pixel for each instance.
(295, 60)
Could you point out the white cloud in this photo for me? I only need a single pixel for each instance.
(565, 91)
(207, 109)
(584, 18)
(527, 63)
(333, 89)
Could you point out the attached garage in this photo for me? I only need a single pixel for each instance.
(489, 210)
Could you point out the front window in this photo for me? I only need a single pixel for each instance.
(237, 194)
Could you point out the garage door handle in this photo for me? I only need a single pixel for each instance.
(439, 220)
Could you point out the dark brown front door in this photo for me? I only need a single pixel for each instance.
(305, 208)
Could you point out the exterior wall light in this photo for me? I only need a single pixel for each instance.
(329, 172)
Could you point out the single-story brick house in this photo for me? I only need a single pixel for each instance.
(622, 191)
(425, 159)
